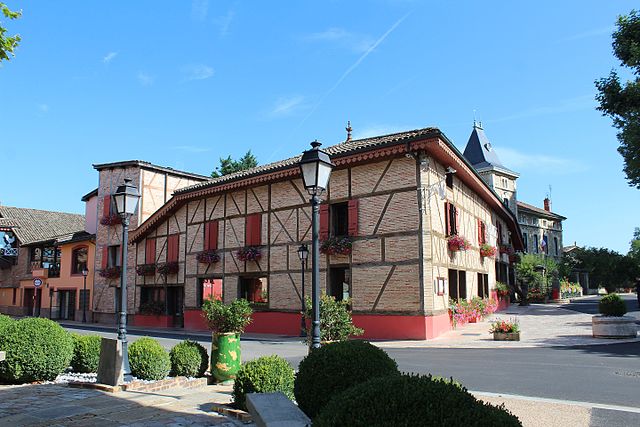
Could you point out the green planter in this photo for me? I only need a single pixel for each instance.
(225, 356)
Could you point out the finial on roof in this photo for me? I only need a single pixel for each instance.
(348, 129)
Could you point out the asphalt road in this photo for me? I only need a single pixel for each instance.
(606, 374)
(589, 304)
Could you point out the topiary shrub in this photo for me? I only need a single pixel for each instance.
(5, 321)
(148, 360)
(188, 359)
(612, 305)
(86, 353)
(335, 367)
(36, 350)
(263, 375)
(408, 400)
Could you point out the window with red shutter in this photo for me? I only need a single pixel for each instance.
(150, 251)
(172, 247)
(447, 228)
(106, 205)
(253, 230)
(211, 236)
(105, 256)
(324, 222)
(353, 217)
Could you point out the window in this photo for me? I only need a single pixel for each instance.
(79, 258)
(555, 246)
(457, 284)
(15, 296)
(536, 244)
(253, 230)
(449, 179)
(339, 219)
(113, 256)
(339, 283)
(173, 243)
(525, 240)
(150, 295)
(254, 289)
(211, 236)
(208, 289)
(506, 201)
(500, 239)
(483, 285)
(451, 219)
(482, 232)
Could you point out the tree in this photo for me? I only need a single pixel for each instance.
(634, 250)
(621, 101)
(607, 268)
(526, 270)
(229, 165)
(8, 43)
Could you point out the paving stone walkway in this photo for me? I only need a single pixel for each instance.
(58, 405)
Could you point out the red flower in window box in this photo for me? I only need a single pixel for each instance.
(168, 268)
(111, 219)
(487, 251)
(208, 257)
(249, 253)
(336, 246)
(458, 243)
(146, 269)
(110, 273)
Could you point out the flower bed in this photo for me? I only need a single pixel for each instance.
(536, 295)
(208, 257)
(168, 268)
(463, 311)
(110, 272)
(458, 243)
(336, 246)
(249, 253)
(146, 269)
(570, 290)
(503, 330)
(111, 219)
(487, 251)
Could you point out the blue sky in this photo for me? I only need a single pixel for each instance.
(188, 82)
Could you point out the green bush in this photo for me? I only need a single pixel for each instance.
(408, 400)
(188, 359)
(335, 319)
(263, 375)
(148, 360)
(612, 305)
(86, 353)
(223, 318)
(335, 367)
(36, 350)
(5, 321)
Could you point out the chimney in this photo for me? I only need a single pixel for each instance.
(547, 204)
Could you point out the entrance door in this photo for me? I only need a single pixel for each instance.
(32, 300)
(175, 295)
(67, 305)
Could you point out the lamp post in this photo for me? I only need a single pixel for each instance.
(303, 254)
(85, 272)
(126, 198)
(315, 168)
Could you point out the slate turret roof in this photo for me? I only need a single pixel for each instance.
(481, 154)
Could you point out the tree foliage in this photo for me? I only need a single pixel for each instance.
(528, 266)
(8, 44)
(621, 101)
(228, 165)
(607, 268)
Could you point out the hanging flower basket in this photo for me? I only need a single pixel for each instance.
(168, 268)
(336, 246)
(208, 257)
(111, 219)
(487, 251)
(458, 243)
(110, 272)
(249, 253)
(146, 269)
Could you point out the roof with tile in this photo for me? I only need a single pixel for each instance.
(539, 211)
(150, 166)
(32, 225)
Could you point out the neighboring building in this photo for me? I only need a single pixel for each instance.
(390, 196)
(541, 229)
(578, 275)
(30, 250)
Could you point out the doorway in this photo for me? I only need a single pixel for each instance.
(340, 283)
(175, 298)
(32, 301)
(67, 305)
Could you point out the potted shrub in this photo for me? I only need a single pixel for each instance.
(503, 330)
(458, 243)
(227, 322)
(612, 322)
(487, 251)
(502, 289)
(249, 253)
(146, 269)
(336, 323)
(336, 246)
(208, 257)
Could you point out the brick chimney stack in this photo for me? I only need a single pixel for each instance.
(547, 204)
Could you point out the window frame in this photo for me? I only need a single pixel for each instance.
(74, 263)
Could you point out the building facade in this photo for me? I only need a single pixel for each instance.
(541, 229)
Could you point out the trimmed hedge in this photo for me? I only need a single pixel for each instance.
(189, 359)
(86, 353)
(5, 321)
(148, 360)
(36, 350)
(612, 305)
(408, 400)
(263, 375)
(335, 367)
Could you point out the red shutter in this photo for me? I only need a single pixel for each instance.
(324, 221)
(353, 217)
(172, 248)
(150, 251)
(447, 214)
(480, 242)
(257, 230)
(106, 205)
(211, 235)
(105, 256)
(207, 237)
(248, 230)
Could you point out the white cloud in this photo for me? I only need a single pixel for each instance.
(199, 10)
(109, 57)
(224, 22)
(358, 43)
(191, 148)
(286, 106)
(541, 163)
(197, 72)
(43, 108)
(145, 79)
(579, 103)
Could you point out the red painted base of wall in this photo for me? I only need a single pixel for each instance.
(395, 327)
(146, 320)
(503, 302)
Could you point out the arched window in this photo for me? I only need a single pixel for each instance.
(79, 258)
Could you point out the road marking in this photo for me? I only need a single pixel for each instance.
(565, 402)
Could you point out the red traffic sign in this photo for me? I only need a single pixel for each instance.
(37, 282)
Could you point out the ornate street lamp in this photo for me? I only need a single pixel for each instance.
(85, 272)
(303, 254)
(126, 198)
(315, 168)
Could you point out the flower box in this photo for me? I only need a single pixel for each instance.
(336, 246)
(168, 268)
(506, 336)
(487, 251)
(111, 219)
(249, 253)
(208, 257)
(110, 272)
(146, 269)
(458, 243)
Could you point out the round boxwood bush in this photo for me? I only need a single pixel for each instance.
(36, 350)
(408, 400)
(612, 305)
(86, 353)
(188, 359)
(148, 360)
(263, 375)
(335, 367)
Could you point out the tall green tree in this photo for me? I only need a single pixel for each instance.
(607, 268)
(8, 44)
(621, 101)
(229, 165)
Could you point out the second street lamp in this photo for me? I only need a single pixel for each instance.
(303, 253)
(315, 168)
(126, 198)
